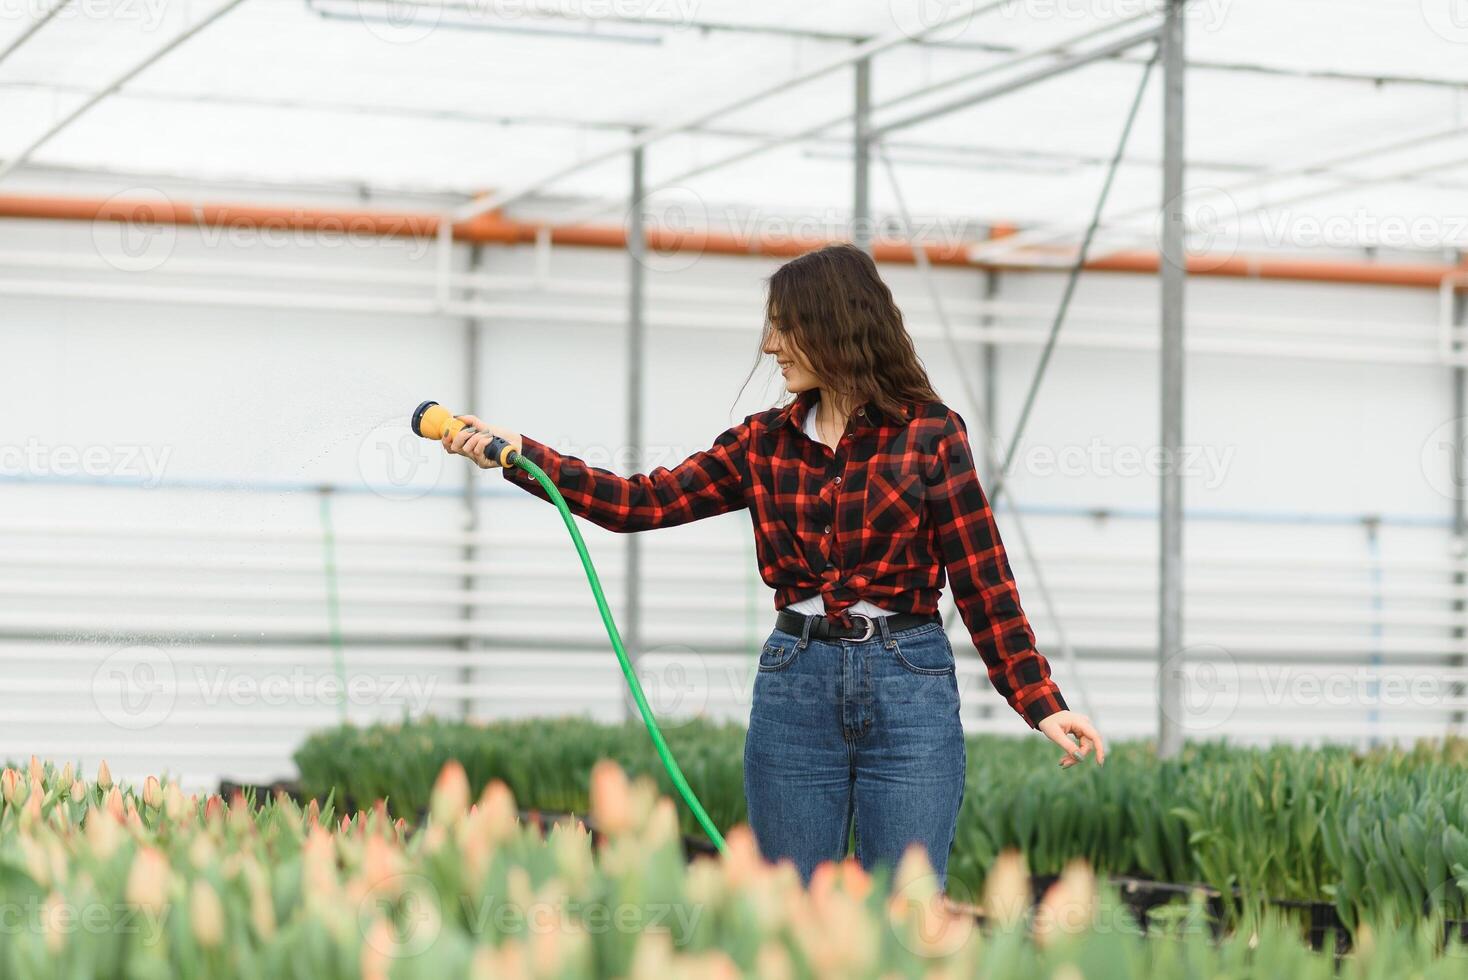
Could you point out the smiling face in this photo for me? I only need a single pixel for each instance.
(795, 367)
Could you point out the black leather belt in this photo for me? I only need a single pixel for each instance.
(864, 627)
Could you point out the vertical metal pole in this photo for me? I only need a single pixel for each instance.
(861, 149)
(991, 377)
(468, 581)
(636, 284)
(1174, 278)
(1460, 499)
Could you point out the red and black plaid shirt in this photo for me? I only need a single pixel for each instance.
(879, 519)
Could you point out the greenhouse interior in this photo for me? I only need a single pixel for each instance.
(1142, 331)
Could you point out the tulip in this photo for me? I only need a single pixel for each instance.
(78, 790)
(103, 831)
(1007, 890)
(104, 775)
(53, 920)
(497, 814)
(173, 802)
(38, 771)
(450, 799)
(262, 906)
(152, 793)
(206, 914)
(611, 798)
(12, 788)
(378, 951)
(147, 881)
(1069, 906)
(30, 813)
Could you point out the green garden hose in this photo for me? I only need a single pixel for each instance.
(431, 421)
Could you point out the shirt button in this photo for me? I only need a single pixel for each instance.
(838, 479)
(828, 529)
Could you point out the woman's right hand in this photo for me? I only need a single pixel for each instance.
(472, 444)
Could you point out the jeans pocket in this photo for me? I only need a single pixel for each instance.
(779, 652)
(924, 652)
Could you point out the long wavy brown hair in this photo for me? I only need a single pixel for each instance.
(844, 320)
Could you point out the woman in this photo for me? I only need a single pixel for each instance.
(863, 493)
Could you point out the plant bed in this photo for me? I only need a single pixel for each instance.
(279, 889)
(1375, 834)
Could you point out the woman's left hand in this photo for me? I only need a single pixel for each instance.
(1060, 726)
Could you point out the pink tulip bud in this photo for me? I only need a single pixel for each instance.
(611, 798)
(147, 881)
(152, 792)
(13, 789)
(54, 922)
(450, 800)
(206, 914)
(104, 775)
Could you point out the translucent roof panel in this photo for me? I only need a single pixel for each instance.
(1327, 107)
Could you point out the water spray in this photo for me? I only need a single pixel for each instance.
(432, 421)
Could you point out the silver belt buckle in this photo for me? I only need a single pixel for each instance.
(871, 627)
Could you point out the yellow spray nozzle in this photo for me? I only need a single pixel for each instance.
(432, 421)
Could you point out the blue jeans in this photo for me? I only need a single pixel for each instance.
(842, 729)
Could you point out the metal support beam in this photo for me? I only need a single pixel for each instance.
(861, 149)
(1174, 278)
(127, 76)
(1062, 67)
(1459, 463)
(39, 23)
(1060, 49)
(875, 46)
(636, 331)
(468, 582)
(991, 374)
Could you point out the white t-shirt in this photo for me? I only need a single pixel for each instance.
(813, 605)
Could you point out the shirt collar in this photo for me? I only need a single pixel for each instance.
(794, 413)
